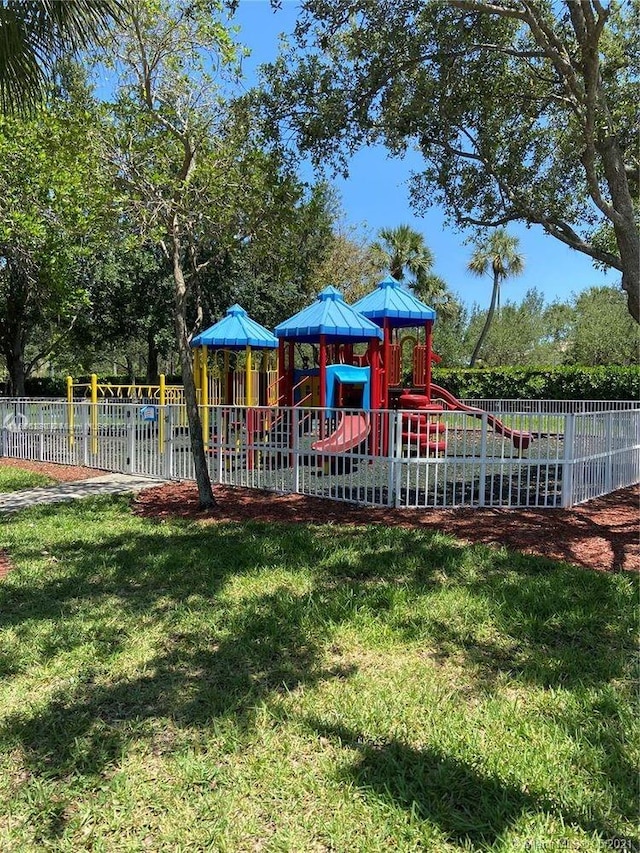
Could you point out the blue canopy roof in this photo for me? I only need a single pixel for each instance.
(329, 315)
(236, 331)
(391, 301)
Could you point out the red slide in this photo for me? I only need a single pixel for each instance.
(521, 440)
(351, 431)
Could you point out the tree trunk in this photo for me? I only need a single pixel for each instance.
(14, 346)
(14, 323)
(629, 246)
(129, 369)
(152, 359)
(203, 481)
(487, 322)
(15, 366)
(624, 225)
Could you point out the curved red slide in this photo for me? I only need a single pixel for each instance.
(521, 440)
(351, 431)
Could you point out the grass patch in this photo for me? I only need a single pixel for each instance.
(178, 686)
(15, 479)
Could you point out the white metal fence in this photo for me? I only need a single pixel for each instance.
(499, 407)
(545, 457)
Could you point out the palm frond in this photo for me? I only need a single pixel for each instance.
(34, 34)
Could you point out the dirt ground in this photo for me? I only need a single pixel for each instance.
(603, 534)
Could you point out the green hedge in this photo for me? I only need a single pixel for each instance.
(46, 387)
(57, 386)
(542, 383)
(506, 383)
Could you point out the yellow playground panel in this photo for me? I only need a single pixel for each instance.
(235, 362)
(226, 376)
(96, 391)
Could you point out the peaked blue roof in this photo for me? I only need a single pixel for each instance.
(391, 301)
(236, 330)
(329, 315)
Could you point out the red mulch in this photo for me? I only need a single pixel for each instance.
(59, 473)
(5, 563)
(602, 534)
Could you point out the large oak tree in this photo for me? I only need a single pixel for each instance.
(523, 111)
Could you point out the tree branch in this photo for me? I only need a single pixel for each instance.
(42, 355)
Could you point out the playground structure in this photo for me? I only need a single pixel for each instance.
(250, 381)
(359, 354)
(372, 380)
(339, 403)
(253, 379)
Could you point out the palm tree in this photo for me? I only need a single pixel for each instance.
(35, 33)
(403, 251)
(497, 256)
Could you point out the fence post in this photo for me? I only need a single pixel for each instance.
(85, 431)
(131, 439)
(167, 423)
(295, 421)
(608, 473)
(397, 458)
(41, 431)
(94, 414)
(221, 437)
(390, 432)
(568, 461)
(482, 485)
(162, 399)
(70, 423)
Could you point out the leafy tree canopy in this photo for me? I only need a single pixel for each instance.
(55, 213)
(603, 332)
(523, 111)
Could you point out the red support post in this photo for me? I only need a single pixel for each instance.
(387, 363)
(290, 368)
(429, 347)
(376, 377)
(323, 371)
(376, 395)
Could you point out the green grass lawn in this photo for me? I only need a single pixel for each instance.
(179, 687)
(14, 479)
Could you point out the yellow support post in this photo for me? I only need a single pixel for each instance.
(248, 396)
(94, 414)
(224, 391)
(196, 372)
(162, 394)
(204, 397)
(70, 409)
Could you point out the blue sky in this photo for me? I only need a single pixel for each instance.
(376, 195)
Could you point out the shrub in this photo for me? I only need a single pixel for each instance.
(542, 383)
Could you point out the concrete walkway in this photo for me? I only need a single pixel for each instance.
(109, 484)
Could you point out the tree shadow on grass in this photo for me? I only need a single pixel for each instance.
(269, 642)
(551, 625)
(470, 807)
(189, 683)
(275, 639)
